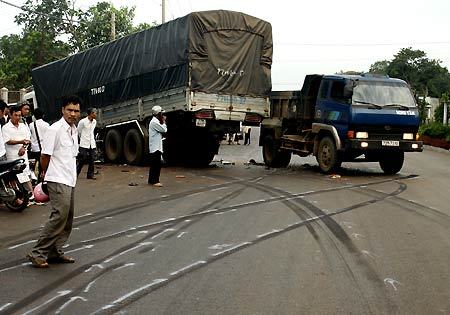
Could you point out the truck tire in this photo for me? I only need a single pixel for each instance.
(133, 148)
(272, 155)
(202, 152)
(327, 156)
(113, 145)
(392, 163)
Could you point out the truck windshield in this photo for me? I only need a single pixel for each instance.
(389, 94)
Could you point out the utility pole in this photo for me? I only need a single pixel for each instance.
(113, 26)
(163, 11)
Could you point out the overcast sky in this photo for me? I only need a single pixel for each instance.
(319, 36)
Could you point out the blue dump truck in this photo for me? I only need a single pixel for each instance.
(342, 118)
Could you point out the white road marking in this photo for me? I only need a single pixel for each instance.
(232, 248)
(14, 267)
(60, 293)
(200, 262)
(126, 251)
(124, 266)
(109, 235)
(92, 267)
(161, 233)
(126, 296)
(22, 244)
(84, 215)
(369, 254)
(5, 306)
(181, 234)
(220, 246)
(268, 233)
(220, 188)
(357, 236)
(81, 248)
(74, 298)
(392, 282)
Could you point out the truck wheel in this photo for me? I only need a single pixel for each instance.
(133, 147)
(327, 156)
(392, 163)
(273, 157)
(113, 145)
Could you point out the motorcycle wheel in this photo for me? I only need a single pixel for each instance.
(22, 197)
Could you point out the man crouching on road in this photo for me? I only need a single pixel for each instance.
(59, 170)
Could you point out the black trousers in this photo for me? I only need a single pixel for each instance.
(155, 167)
(86, 156)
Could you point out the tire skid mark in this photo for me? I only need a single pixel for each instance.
(80, 290)
(73, 274)
(343, 237)
(143, 291)
(36, 295)
(101, 214)
(408, 205)
(206, 213)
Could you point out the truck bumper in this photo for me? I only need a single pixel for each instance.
(381, 145)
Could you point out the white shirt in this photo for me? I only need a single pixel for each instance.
(42, 127)
(61, 143)
(155, 130)
(86, 133)
(2, 144)
(11, 132)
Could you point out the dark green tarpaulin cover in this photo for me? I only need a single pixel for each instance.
(219, 51)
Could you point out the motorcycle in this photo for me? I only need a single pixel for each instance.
(12, 192)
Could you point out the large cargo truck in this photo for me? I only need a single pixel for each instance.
(342, 118)
(210, 71)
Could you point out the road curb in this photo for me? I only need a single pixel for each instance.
(436, 149)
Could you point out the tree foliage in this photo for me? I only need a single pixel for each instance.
(426, 76)
(53, 29)
(95, 25)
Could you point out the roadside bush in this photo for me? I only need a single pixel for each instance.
(435, 130)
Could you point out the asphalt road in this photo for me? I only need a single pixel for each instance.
(238, 238)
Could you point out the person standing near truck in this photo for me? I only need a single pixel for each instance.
(59, 170)
(156, 128)
(86, 128)
(17, 138)
(246, 131)
(38, 128)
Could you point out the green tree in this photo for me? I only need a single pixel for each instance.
(426, 76)
(21, 53)
(379, 67)
(95, 24)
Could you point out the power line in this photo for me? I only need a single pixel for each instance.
(38, 13)
(361, 44)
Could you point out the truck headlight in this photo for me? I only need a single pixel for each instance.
(408, 136)
(362, 135)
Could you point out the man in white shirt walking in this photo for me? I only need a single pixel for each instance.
(86, 128)
(38, 128)
(59, 170)
(156, 128)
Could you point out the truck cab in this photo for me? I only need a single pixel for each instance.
(348, 118)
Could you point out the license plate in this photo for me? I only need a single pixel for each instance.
(200, 122)
(390, 143)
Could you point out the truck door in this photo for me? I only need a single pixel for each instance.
(332, 107)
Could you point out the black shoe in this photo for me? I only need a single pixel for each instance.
(61, 260)
(92, 177)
